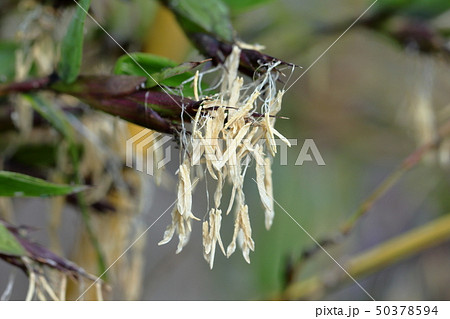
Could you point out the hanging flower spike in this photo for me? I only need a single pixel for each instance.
(230, 127)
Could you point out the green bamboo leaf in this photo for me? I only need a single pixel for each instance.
(9, 244)
(20, 185)
(72, 44)
(161, 70)
(204, 16)
(142, 64)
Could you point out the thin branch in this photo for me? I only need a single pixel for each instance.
(118, 95)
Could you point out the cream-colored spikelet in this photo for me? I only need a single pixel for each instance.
(182, 213)
(230, 129)
(211, 235)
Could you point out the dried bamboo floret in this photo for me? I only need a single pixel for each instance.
(264, 182)
(182, 226)
(211, 236)
(229, 128)
(184, 202)
(243, 233)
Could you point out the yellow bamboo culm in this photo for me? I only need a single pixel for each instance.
(388, 253)
(405, 245)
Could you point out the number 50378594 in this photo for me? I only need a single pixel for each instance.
(406, 310)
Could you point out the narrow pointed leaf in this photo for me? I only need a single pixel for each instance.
(8, 243)
(20, 185)
(142, 64)
(157, 69)
(72, 44)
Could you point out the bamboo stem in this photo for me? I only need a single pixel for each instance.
(388, 253)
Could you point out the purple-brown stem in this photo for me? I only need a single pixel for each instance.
(119, 95)
(251, 61)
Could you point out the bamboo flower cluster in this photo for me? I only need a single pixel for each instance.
(230, 128)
